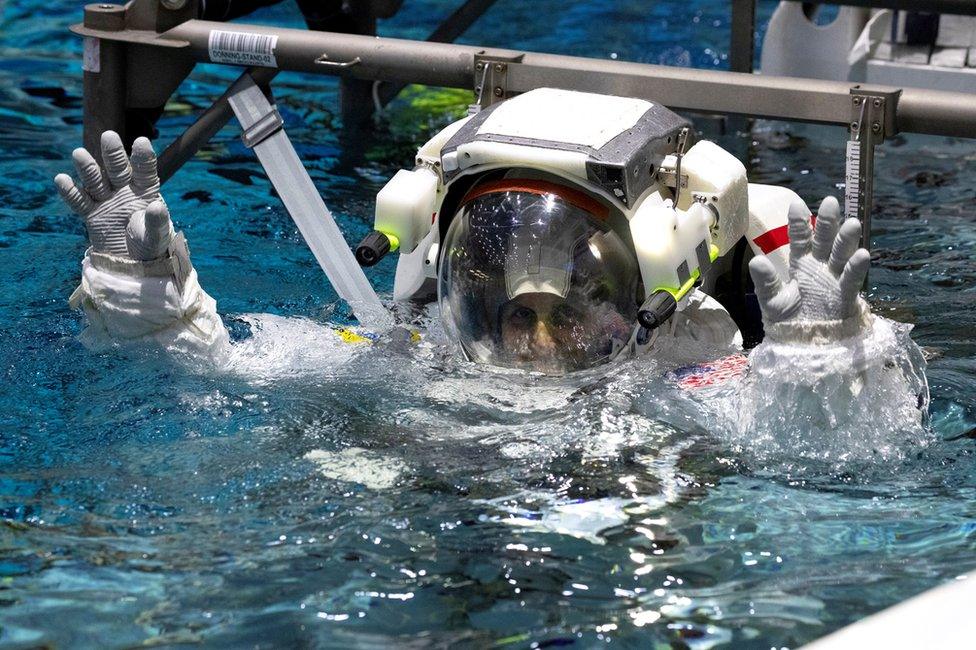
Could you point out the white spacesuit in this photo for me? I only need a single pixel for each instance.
(558, 231)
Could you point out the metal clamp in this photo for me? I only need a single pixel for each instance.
(876, 108)
(491, 77)
(679, 154)
(324, 60)
(266, 126)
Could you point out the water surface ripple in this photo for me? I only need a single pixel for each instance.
(318, 494)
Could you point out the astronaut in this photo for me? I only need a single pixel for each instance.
(558, 231)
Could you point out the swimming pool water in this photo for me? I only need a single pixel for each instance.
(325, 495)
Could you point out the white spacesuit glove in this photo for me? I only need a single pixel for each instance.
(137, 284)
(113, 202)
(821, 302)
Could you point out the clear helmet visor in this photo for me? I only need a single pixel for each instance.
(533, 277)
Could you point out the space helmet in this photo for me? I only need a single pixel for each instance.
(533, 275)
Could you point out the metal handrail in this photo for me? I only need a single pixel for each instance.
(870, 113)
(713, 91)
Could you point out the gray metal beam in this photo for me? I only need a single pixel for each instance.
(453, 26)
(961, 7)
(713, 91)
(390, 59)
(445, 64)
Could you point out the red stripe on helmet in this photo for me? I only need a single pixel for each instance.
(533, 186)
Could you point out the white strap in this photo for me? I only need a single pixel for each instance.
(306, 207)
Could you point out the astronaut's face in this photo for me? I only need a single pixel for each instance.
(546, 333)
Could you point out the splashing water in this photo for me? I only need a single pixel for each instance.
(803, 409)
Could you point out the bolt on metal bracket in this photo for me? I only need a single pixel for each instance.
(872, 120)
(491, 77)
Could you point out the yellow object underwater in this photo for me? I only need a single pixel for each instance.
(350, 335)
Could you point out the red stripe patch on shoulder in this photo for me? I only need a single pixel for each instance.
(773, 239)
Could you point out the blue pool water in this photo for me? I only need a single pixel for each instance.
(328, 496)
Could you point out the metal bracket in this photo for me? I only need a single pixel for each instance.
(668, 176)
(679, 154)
(265, 127)
(872, 120)
(491, 77)
(135, 36)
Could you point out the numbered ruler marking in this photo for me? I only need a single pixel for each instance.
(852, 178)
(242, 48)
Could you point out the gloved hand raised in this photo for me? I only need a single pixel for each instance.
(821, 301)
(137, 283)
(120, 201)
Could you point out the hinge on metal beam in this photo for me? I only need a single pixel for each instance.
(491, 78)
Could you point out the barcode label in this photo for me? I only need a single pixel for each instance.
(242, 48)
(852, 178)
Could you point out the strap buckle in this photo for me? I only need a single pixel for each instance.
(265, 127)
(179, 259)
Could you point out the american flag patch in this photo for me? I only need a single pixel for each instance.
(712, 373)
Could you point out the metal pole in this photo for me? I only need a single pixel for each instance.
(356, 95)
(872, 120)
(712, 91)
(437, 64)
(936, 113)
(104, 84)
(742, 49)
